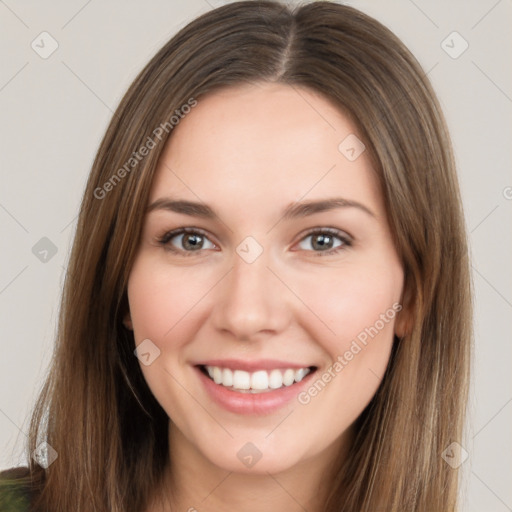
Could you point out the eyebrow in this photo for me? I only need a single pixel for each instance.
(294, 210)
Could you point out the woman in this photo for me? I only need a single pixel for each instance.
(268, 303)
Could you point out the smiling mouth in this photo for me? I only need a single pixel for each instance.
(260, 381)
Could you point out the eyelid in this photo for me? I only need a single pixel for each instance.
(326, 229)
(184, 229)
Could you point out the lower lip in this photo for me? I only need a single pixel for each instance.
(252, 403)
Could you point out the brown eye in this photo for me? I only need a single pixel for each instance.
(326, 240)
(192, 242)
(186, 241)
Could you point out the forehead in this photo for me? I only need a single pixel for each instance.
(270, 141)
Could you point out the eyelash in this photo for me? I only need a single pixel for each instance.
(169, 235)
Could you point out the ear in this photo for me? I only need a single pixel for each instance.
(127, 321)
(404, 321)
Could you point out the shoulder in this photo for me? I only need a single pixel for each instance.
(15, 490)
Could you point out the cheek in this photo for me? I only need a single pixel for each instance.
(360, 306)
(164, 308)
(356, 303)
(161, 299)
(166, 305)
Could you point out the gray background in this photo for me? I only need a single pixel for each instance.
(54, 112)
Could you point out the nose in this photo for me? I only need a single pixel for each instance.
(251, 301)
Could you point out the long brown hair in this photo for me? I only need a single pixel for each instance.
(96, 409)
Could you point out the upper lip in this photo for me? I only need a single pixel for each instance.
(253, 365)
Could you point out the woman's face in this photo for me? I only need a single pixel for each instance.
(287, 271)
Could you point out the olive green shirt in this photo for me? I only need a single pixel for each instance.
(14, 495)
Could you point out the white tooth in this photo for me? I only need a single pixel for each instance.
(217, 375)
(288, 377)
(300, 374)
(241, 379)
(259, 380)
(227, 377)
(275, 379)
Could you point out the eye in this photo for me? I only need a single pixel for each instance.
(325, 241)
(185, 240)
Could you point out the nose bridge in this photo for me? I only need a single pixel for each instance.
(250, 279)
(250, 299)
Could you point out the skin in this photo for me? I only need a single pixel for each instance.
(248, 152)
